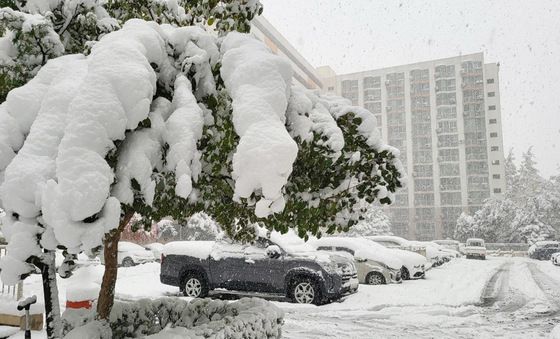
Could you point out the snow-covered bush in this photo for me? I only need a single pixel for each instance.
(199, 318)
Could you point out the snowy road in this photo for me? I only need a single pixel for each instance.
(499, 297)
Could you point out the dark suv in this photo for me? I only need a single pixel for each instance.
(295, 271)
(543, 250)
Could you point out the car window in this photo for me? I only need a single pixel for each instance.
(324, 248)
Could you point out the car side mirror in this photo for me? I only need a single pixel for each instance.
(358, 259)
(273, 252)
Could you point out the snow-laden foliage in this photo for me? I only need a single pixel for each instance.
(39, 30)
(173, 317)
(374, 222)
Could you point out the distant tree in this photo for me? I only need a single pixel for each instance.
(200, 226)
(511, 176)
(530, 226)
(465, 227)
(375, 222)
(167, 230)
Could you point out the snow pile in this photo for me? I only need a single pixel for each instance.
(259, 85)
(177, 318)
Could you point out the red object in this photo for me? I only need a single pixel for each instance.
(79, 304)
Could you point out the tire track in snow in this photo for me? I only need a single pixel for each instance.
(547, 285)
(496, 286)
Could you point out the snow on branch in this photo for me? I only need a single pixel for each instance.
(259, 85)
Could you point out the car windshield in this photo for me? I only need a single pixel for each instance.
(475, 244)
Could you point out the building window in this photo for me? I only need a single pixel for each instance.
(489, 81)
(494, 148)
(496, 176)
(497, 190)
(492, 107)
(331, 88)
(491, 94)
(493, 135)
(493, 121)
(495, 162)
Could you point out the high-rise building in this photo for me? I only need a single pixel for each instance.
(444, 116)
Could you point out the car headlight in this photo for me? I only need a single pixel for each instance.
(331, 267)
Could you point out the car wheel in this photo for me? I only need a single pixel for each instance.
(305, 291)
(195, 285)
(405, 274)
(127, 262)
(375, 278)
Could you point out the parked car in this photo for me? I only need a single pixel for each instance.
(130, 254)
(475, 248)
(414, 264)
(391, 241)
(543, 250)
(156, 248)
(434, 255)
(446, 253)
(376, 265)
(555, 258)
(281, 265)
(449, 244)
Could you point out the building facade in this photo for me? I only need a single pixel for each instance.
(444, 116)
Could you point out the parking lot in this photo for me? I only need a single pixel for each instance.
(463, 298)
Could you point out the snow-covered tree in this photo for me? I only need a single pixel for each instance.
(200, 227)
(167, 230)
(170, 121)
(374, 222)
(529, 225)
(465, 227)
(511, 176)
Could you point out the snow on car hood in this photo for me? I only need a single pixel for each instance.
(409, 258)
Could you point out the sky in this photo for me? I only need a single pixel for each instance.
(523, 36)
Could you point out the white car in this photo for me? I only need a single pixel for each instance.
(130, 254)
(392, 241)
(413, 257)
(475, 248)
(376, 264)
(156, 248)
(449, 244)
(555, 258)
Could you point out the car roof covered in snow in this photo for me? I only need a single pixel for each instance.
(392, 238)
(197, 249)
(475, 239)
(129, 246)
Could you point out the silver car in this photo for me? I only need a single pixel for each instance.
(375, 264)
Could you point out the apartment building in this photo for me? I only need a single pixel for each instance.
(444, 116)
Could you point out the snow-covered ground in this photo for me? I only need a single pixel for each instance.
(499, 297)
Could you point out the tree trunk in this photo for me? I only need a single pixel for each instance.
(110, 251)
(50, 292)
